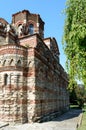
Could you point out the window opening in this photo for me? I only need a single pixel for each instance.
(11, 62)
(31, 28)
(4, 62)
(20, 29)
(5, 79)
(19, 63)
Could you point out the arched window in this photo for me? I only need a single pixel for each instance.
(5, 79)
(20, 29)
(31, 28)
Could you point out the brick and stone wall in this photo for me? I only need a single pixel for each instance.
(13, 92)
(33, 84)
(50, 85)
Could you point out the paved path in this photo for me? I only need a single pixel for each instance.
(67, 121)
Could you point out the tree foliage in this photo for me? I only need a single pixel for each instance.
(78, 95)
(74, 40)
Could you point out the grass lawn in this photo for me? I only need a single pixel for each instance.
(83, 124)
(74, 106)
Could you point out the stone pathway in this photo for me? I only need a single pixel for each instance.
(67, 121)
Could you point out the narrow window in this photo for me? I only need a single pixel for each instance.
(20, 30)
(17, 80)
(11, 62)
(5, 79)
(19, 63)
(31, 28)
(4, 62)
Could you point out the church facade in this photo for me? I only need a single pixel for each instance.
(33, 84)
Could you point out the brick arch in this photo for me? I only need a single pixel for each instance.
(19, 23)
(32, 22)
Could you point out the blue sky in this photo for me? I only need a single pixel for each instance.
(50, 12)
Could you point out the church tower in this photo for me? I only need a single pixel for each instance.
(27, 23)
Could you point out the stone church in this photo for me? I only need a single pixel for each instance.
(33, 84)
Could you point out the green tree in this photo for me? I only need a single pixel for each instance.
(74, 40)
(77, 95)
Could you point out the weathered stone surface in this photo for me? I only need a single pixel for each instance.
(32, 81)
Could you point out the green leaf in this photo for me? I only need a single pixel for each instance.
(74, 39)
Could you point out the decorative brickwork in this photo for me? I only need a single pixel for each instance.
(33, 84)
